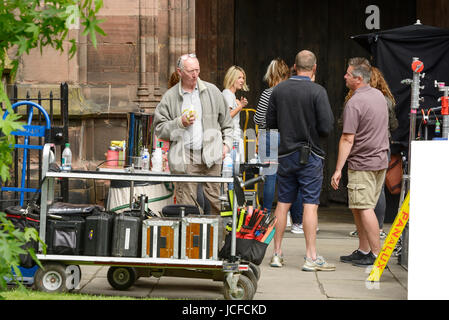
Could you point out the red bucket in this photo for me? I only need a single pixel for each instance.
(112, 157)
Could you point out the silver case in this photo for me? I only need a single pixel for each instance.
(218, 236)
(174, 223)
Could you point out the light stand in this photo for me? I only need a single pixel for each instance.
(417, 67)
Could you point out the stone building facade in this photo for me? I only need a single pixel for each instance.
(127, 72)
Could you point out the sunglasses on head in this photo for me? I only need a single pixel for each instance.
(185, 57)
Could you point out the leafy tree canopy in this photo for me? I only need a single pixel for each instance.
(29, 24)
(25, 25)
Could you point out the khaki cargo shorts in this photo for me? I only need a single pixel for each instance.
(364, 188)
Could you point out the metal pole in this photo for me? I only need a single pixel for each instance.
(417, 67)
(234, 228)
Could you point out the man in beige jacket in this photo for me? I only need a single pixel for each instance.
(193, 116)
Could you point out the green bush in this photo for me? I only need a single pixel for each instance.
(11, 241)
(25, 25)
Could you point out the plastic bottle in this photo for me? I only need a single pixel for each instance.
(438, 129)
(145, 159)
(227, 166)
(66, 162)
(156, 160)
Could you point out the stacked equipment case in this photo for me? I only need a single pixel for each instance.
(160, 238)
(133, 254)
(201, 237)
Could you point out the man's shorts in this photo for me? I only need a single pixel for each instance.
(364, 188)
(307, 178)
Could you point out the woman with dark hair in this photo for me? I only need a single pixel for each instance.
(174, 79)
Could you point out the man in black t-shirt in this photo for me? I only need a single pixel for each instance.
(300, 110)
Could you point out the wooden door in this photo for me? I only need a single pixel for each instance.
(251, 33)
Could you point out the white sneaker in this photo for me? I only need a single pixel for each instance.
(297, 228)
(277, 261)
(318, 265)
(289, 220)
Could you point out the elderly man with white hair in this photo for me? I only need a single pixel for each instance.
(193, 116)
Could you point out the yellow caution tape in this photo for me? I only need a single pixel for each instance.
(391, 240)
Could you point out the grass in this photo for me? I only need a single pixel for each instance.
(27, 294)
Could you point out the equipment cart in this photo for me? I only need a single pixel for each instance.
(62, 272)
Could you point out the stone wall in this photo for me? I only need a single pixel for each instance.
(127, 72)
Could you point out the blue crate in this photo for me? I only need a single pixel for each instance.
(27, 275)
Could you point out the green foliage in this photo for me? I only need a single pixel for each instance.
(7, 126)
(29, 24)
(11, 240)
(26, 25)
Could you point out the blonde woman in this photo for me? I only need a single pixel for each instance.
(235, 79)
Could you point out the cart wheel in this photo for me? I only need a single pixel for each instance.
(256, 270)
(52, 278)
(121, 278)
(250, 274)
(245, 289)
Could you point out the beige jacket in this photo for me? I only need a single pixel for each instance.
(217, 125)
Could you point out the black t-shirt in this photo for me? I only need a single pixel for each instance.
(300, 110)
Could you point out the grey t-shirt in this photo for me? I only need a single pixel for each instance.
(232, 103)
(366, 116)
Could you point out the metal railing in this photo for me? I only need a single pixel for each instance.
(59, 135)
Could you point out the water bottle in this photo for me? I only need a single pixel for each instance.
(66, 162)
(438, 129)
(145, 159)
(227, 166)
(235, 151)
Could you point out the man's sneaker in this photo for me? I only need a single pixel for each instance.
(366, 261)
(318, 265)
(356, 255)
(383, 235)
(297, 228)
(353, 233)
(277, 261)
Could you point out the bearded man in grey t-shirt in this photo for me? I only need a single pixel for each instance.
(364, 144)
